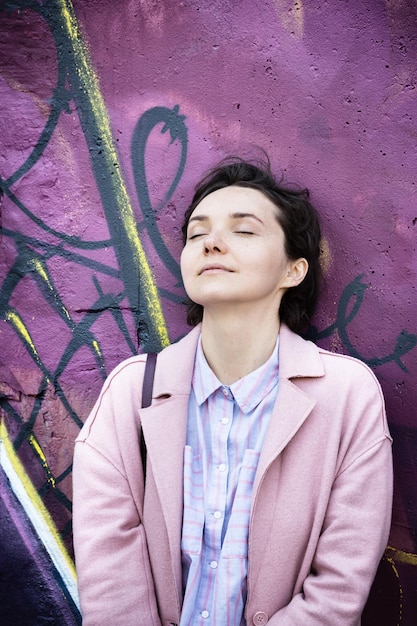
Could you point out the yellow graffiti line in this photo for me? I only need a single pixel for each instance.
(400, 589)
(97, 348)
(291, 15)
(38, 450)
(91, 85)
(20, 327)
(40, 268)
(28, 486)
(35, 509)
(16, 321)
(402, 557)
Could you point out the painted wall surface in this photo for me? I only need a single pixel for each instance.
(109, 113)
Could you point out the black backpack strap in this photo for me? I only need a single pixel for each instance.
(148, 377)
(147, 388)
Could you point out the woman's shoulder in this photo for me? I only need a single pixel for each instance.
(348, 367)
(133, 367)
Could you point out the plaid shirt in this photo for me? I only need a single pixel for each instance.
(226, 429)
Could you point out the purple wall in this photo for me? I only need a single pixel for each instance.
(109, 112)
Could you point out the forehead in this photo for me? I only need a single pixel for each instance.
(234, 199)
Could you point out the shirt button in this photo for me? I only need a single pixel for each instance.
(225, 420)
(225, 391)
(217, 514)
(222, 467)
(260, 618)
(205, 614)
(213, 564)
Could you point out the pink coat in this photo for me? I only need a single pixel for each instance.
(321, 504)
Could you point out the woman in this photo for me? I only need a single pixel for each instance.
(269, 478)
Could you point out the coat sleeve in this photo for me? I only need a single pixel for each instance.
(350, 547)
(356, 525)
(114, 575)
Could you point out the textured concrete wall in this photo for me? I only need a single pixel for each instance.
(110, 111)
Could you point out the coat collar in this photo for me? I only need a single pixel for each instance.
(175, 366)
(298, 358)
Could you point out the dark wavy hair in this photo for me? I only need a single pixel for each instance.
(297, 218)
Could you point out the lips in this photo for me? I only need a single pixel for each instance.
(213, 268)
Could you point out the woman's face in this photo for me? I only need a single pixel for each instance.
(235, 252)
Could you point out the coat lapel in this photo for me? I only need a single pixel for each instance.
(297, 359)
(291, 409)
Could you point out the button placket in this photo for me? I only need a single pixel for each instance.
(220, 430)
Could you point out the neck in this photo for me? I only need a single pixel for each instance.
(236, 344)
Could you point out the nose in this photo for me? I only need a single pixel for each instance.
(213, 242)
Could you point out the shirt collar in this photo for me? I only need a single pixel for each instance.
(248, 392)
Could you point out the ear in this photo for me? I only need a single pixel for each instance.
(296, 272)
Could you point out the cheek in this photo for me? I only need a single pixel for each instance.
(272, 270)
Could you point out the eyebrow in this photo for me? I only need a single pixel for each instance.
(240, 216)
(198, 218)
(236, 216)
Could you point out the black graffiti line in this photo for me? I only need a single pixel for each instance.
(64, 474)
(28, 425)
(172, 297)
(50, 250)
(346, 312)
(59, 495)
(404, 344)
(174, 123)
(66, 531)
(7, 407)
(72, 240)
(61, 583)
(59, 101)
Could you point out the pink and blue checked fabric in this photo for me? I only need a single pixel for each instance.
(226, 429)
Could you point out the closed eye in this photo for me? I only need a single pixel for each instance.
(195, 236)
